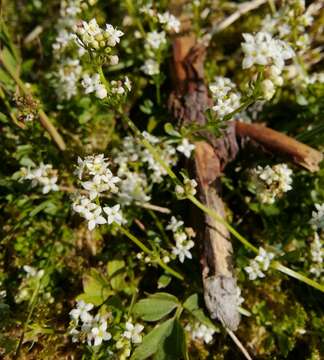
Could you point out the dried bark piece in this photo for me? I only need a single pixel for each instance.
(273, 140)
(188, 104)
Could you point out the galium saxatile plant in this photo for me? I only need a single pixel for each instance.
(121, 268)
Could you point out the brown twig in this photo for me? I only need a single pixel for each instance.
(273, 140)
(241, 10)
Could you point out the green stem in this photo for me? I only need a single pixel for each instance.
(218, 218)
(276, 265)
(31, 307)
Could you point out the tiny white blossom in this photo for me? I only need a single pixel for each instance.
(174, 224)
(156, 39)
(133, 332)
(99, 334)
(113, 214)
(172, 24)
(186, 148)
(259, 264)
(82, 311)
(151, 67)
(182, 247)
(201, 332)
(254, 270)
(94, 218)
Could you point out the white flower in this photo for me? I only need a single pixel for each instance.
(226, 96)
(114, 35)
(83, 204)
(264, 258)
(99, 334)
(262, 49)
(181, 250)
(101, 91)
(156, 39)
(318, 216)
(268, 89)
(93, 84)
(95, 218)
(82, 312)
(172, 24)
(260, 263)
(32, 272)
(113, 214)
(174, 224)
(254, 270)
(151, 67)
(272, 182)
(49, 184)
(201, 332)
(190, 186)
(186, 148)
(43, 175)
(133, 332)
(95, 187)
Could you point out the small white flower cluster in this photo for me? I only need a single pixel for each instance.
(151, 67)
(185, 148)
(317, 255)
(134, 152)
(290, 22)
(90, 36)
(44, 175)
(131, 335)
(272, 182)
(317, 219)
(200, 332)
(69, 73)
(259, 264)
(262, 49)
(189, 188)
(92, 84)
(154, 43)
(88, 328)
(99, 180)
(155, 40)
(169, 22)
(226, 96)
(132, 187)
(182, 237)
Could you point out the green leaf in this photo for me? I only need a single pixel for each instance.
(166, 341)
(115, 269)
(156, 306)
(174, 346)
(96, 288)
(169, 129)
(153, 340)
(192, 305)
(164, 280)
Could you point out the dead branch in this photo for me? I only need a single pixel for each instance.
(280, 143)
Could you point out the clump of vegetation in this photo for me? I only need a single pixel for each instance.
(162, 182)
